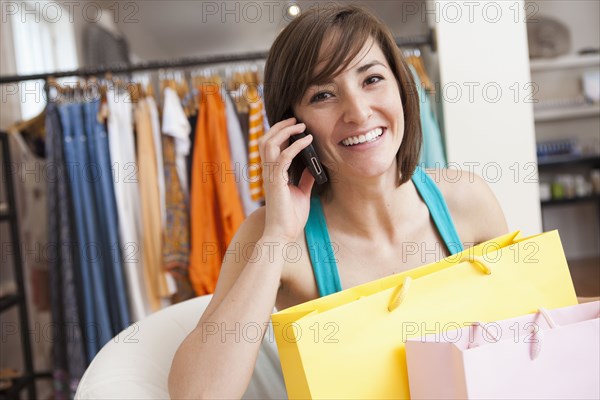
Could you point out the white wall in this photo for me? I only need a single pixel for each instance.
(10, 110)
(488, 121)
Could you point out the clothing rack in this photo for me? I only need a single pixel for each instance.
(427, 39)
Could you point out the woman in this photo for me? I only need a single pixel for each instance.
(340, 73)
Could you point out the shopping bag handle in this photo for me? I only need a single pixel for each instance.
(478, 261)
(400, 294)
(537, 338)
(475, 325)
(402, 290)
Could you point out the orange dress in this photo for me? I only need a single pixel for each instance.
(215, 206)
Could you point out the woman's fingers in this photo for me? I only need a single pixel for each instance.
(294, 149)
(287, 156)
(274, 129)
(274, 141)
(275, 172)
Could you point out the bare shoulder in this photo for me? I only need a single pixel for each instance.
(472, 204)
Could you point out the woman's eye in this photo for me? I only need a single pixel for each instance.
(373, 79)
(319, 96)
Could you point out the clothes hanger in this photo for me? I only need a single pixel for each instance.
(413, 56)
(34, 128)
(102, 92)
(143, 81)
(183, 93)
(241, 88)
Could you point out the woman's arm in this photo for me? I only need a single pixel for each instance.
(215, 360)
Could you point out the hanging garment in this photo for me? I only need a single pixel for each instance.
(70, 310)
(36, 192)
(108, 222)
(101, 247)
(261, 90)
(193, 121)
(215, 207)
(239, 156)
(176, 124)
(176, 240)
(160, 173)
(156, 284)
(176, 245)
(98, 330)
(432, 149)
(244, 118)
(256, 127)
(125, 169)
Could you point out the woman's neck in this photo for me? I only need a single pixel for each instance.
(369, 207)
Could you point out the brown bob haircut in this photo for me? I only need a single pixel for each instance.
(294, 54)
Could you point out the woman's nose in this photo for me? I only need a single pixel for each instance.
(356, 109)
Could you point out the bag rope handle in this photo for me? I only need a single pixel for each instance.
(474, 344)
(479, 261)
(538, 336)
(402, 289)
(401, 293)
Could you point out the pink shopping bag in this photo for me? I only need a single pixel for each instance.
(552, 354)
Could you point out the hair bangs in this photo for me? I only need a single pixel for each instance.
(346, 43)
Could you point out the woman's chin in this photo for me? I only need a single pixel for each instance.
(371, 172)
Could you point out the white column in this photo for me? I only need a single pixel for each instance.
(487, 101)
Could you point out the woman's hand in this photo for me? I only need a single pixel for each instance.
(287, 205)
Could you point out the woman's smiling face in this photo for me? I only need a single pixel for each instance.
(357, 119)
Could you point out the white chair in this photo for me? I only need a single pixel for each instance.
(136, 363)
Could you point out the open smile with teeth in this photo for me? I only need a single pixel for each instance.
(367, 137)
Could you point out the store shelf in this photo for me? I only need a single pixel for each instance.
(12, 392)
(554, 114)
(568, 159)
(570, 61)
(595, 197)
(8, 301)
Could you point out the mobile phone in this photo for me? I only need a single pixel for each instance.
(311, 160)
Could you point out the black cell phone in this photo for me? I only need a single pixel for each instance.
(311, 160)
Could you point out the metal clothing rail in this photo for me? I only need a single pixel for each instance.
(419, 40)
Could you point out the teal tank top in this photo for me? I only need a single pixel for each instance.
(319, 244)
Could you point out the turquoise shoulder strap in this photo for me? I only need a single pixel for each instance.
(321, 253)
(319, 243)
(438, 209)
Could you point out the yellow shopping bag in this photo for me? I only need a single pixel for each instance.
(350, 345)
